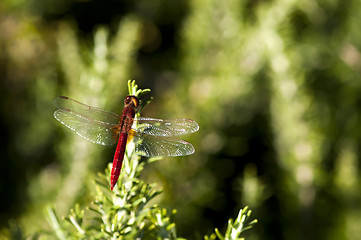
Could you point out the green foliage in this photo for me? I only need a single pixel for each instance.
(122, 214)
(235, 228)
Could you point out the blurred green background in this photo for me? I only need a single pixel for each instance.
(274, 85)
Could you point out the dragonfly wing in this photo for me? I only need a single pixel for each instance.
(90, 129)
(165, 128)
(150, 146)
(85, 110)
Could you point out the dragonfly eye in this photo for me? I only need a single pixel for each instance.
(127, 100)
(135, 101)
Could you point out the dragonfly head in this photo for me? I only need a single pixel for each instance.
(131, 101)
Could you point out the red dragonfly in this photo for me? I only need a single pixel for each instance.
(151, 137)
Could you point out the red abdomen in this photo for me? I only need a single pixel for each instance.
(118, 159)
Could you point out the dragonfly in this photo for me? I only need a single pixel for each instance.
(151, 137)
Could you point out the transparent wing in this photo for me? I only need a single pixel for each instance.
(165, 128)
(92, 130)
(86, 111)
(150, 146)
